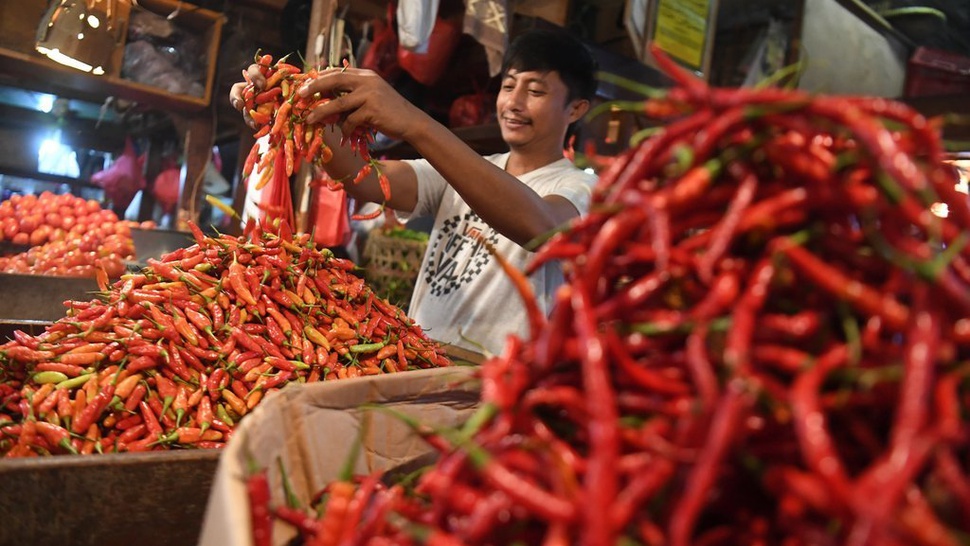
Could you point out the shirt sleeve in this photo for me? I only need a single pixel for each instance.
(575, 186)
(431, 187)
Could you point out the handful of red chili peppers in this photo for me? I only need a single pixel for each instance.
(763, 339)
(175, 355)
(281, 114)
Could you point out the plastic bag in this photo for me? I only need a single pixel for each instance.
(165, 189)
(276, 200)
(161, 54)
(427, 68)
(144, 64)
(123, 179)
(381, 55)
(330, 218)
(415, 20)
(471, 110)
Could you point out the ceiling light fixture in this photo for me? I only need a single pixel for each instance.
(80, 34)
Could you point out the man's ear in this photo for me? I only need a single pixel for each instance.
(578, 109)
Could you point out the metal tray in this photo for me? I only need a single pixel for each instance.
(152, 243)
(39, 297)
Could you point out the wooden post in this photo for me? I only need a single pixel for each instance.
(197, 131)
(321, 19)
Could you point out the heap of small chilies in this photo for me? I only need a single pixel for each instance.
(280, 113)
(175, 355)
(763, 340)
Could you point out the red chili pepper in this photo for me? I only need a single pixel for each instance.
(288, 150)
(56, 436)
(829, 278)
(238, 283)
(93, 410)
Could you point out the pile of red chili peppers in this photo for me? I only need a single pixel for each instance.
(763, 339)
(281, 113)
(175, 355)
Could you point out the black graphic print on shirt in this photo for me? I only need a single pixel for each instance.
(458, 254)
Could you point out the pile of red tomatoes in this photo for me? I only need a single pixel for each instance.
(68, 235)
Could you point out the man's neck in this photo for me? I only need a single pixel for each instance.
(520, 162)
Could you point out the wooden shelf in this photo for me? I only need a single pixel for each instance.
(44, 177)
(41, 74)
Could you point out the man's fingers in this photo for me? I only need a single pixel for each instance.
(336, 106)
(256, 76)
(330, 82)
(235, 96)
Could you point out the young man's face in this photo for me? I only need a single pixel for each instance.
(532, 109)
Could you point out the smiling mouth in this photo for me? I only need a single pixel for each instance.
(515, 121)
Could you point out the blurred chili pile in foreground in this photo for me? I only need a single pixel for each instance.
(175, 355)
(763, 340)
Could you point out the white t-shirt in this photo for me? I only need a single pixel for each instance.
(462, 296)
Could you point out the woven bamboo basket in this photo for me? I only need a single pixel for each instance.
(391, 266)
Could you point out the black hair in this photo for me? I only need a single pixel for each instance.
(555, 50)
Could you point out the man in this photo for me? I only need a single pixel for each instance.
(462, 296)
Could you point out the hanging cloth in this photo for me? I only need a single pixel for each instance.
(488, 22)
(415, 19)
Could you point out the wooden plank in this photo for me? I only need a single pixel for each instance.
(75, 131)
(40, 297)
(120, 499)
(40, 74)
(11, 170)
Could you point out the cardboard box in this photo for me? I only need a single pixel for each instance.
(311, 431)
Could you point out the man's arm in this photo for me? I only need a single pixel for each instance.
(501, 200)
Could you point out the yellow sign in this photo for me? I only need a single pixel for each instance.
(681, 29)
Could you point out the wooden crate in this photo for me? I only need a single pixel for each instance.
(193, 19)
(106, 500)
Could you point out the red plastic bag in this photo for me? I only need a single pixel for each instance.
(471, 110)
(123, 179)
(330, 218)
(166, 188)
(381, 56)
(427, 68)
(276, 201)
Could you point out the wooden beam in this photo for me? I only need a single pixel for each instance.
(275, 5)
(75, 132)
(44, 177)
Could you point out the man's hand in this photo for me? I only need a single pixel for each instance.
(236, 92)
(363, 98)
